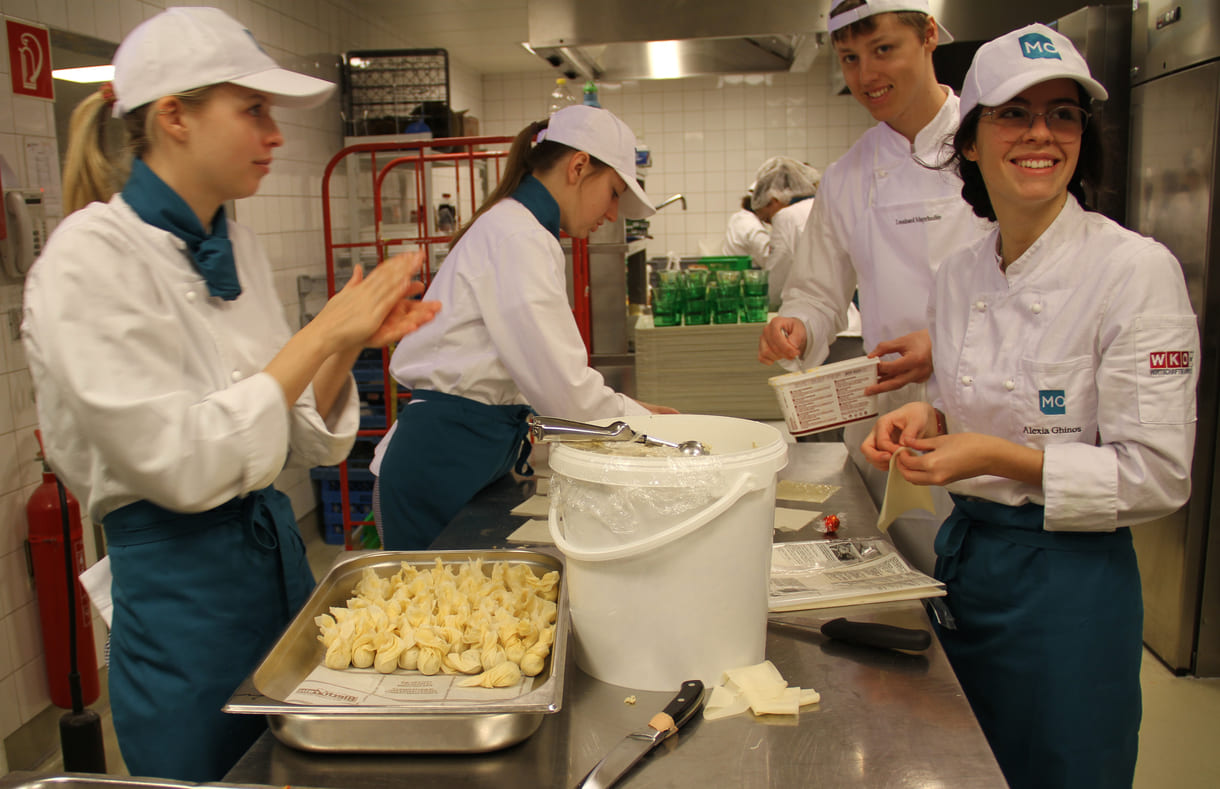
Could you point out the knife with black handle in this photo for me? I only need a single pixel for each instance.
(623, 756)
(868, 634)
(875, 634)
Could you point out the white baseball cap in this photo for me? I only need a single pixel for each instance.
(602, 135)
(1005, 66)
(871, 7)
(185, 48)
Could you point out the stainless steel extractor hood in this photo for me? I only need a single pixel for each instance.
(652, 39)
(660, 39)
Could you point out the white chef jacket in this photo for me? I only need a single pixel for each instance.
(149, 388)
(786, 227)
(1086, 348)
(746, 235)
(505, 334)
(883, 219)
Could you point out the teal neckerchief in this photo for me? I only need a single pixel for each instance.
(160, 206)
(796, 200)
(534, 196)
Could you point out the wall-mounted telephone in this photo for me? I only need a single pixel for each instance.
(23, 232)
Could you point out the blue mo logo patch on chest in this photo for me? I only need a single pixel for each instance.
(1052, 402)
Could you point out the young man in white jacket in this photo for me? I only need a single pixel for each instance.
(883, 220)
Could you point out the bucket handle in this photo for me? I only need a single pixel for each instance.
(739, 488)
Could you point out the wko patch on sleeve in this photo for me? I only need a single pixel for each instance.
(1169, 362)
(1166, 351)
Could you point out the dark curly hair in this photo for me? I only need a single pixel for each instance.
(1084, 184)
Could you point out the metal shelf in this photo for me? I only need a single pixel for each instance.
(388, 89)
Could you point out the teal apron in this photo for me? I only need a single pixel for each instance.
(199, 599)
(1048, 642)
(446, 449)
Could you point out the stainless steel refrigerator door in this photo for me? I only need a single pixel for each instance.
(1173, 187)
(1172, 35)
(1102, 33)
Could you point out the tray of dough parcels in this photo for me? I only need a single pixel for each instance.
(418, 652)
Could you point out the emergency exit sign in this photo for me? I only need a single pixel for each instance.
(29, 58)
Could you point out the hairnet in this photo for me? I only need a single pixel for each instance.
(783, 179)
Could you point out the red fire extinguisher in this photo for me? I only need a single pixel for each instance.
(46, 546)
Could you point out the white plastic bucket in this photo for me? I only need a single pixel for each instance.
(668, 558)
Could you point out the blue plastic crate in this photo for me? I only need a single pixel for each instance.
(372, 416)
(330, 497)
(368, 372)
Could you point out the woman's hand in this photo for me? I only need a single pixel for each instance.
(897, 429)
(659, 409)
(373, 311)
(369, 312)
(957, 456)
(782, 338)
(913, 365)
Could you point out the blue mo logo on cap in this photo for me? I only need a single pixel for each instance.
(1036, 45)
(1052, 401)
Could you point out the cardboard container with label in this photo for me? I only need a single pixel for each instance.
(827, 397)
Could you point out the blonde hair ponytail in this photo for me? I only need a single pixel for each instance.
(89, 175)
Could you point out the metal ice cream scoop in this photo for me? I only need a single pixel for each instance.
(548, 429)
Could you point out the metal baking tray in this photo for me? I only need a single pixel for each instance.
(451, 726)
(28, 780)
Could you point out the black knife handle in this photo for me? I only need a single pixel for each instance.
(686, 703)
(873, 634)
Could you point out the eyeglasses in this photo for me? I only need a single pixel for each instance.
(1066, 122)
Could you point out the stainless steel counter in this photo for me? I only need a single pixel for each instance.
(886, 719)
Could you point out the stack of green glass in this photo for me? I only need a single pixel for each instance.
(694, 285)
(668, 298)
(726, 304)
(754, 286)
(696, 297)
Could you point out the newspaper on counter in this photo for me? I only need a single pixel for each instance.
(827, 573)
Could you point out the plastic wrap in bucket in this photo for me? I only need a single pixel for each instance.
(668, 557)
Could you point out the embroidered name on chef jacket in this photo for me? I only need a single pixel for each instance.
(918, 220)
(1036, 45)
(1169, 362)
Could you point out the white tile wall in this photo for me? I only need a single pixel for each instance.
(708, 135)
(306, 35)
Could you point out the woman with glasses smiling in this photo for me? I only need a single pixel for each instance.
(1064, 350)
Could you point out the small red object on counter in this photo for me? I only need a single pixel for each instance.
(831, 523)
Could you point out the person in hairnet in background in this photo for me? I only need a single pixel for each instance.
(783, 197)
(746, 233)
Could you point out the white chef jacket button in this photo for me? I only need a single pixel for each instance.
(1010, 384)
(1036, 307)
(967, 380)
(190, 295)
(236, 375)
(882, 173)
(980, 305)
